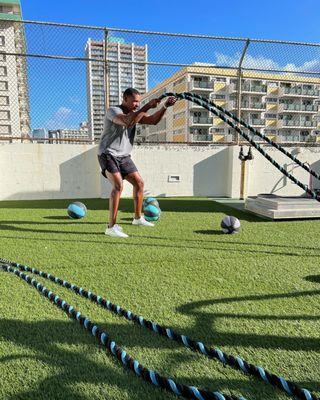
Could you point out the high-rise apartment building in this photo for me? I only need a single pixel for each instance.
(126, 67)
(14, 97)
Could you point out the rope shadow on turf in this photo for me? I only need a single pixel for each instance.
(117, 243)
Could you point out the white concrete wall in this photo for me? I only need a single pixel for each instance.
(263, 177)
(203, 170)
(43, 171)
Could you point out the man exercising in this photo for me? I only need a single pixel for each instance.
(115, 146)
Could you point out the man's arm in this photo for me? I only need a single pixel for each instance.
(156, 117)
(134, 117)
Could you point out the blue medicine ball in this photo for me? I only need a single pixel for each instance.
(152, 201)
(151, 212)
(77, 210)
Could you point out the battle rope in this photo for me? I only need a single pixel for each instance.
(289, 387)
(188, 392)
(206, 104)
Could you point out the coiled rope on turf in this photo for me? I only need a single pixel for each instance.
(188, 392)
(210, 107)
(238, 363)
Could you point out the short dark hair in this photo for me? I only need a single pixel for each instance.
(130, 92)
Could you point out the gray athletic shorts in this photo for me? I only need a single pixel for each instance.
(113, 164)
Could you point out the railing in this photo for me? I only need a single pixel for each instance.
(200, 85)
(297, 123)
(201, 138)
(253, 106)
(254, 88)
(201, 120)
(299, 92)
(255, 122)
(298, 108)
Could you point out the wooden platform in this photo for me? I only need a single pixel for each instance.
(281, 207)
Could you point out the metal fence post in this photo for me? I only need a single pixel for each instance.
(240, 85)
(106, 69)
(243, 162)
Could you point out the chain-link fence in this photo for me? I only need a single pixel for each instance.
(56, 81)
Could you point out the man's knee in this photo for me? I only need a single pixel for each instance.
(140, 183)
(117, 187)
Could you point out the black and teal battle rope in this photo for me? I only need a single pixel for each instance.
(188, 392)
(237, 363)
(207, 105)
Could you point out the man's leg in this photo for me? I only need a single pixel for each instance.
(138, 186)
(117, 186)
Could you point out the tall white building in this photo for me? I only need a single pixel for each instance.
(14, 97)
(123, 70)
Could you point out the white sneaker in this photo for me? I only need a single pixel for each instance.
(116, 231)
(142, 222)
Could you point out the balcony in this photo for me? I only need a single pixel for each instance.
(206, 86)
(255, 121)
(287, 92)
(201, 138)
(261, 89)
(200, 121)
(231, 105)
(297, 124)
(232, 88)
(253, 106)
(298, 108)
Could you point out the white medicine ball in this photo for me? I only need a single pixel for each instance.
(230, 224)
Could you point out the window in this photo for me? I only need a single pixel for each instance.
(219, 96)
(219, 79)
(2, 41)
(271, 100)
(5, 129)
(5, 115)
(3, 71)
(2, 57)
(3, 85)
(272, 116)
(4, 100)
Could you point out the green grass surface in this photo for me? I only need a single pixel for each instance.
(255, 294)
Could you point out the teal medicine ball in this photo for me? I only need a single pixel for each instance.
(152, 201)
(77, 210)
(151, 212)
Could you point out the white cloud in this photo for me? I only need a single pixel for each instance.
(261, 62)
(60, 118)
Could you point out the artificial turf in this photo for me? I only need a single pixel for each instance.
(255, 294)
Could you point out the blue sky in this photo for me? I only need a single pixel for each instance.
(57, 89)
(272, 19)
